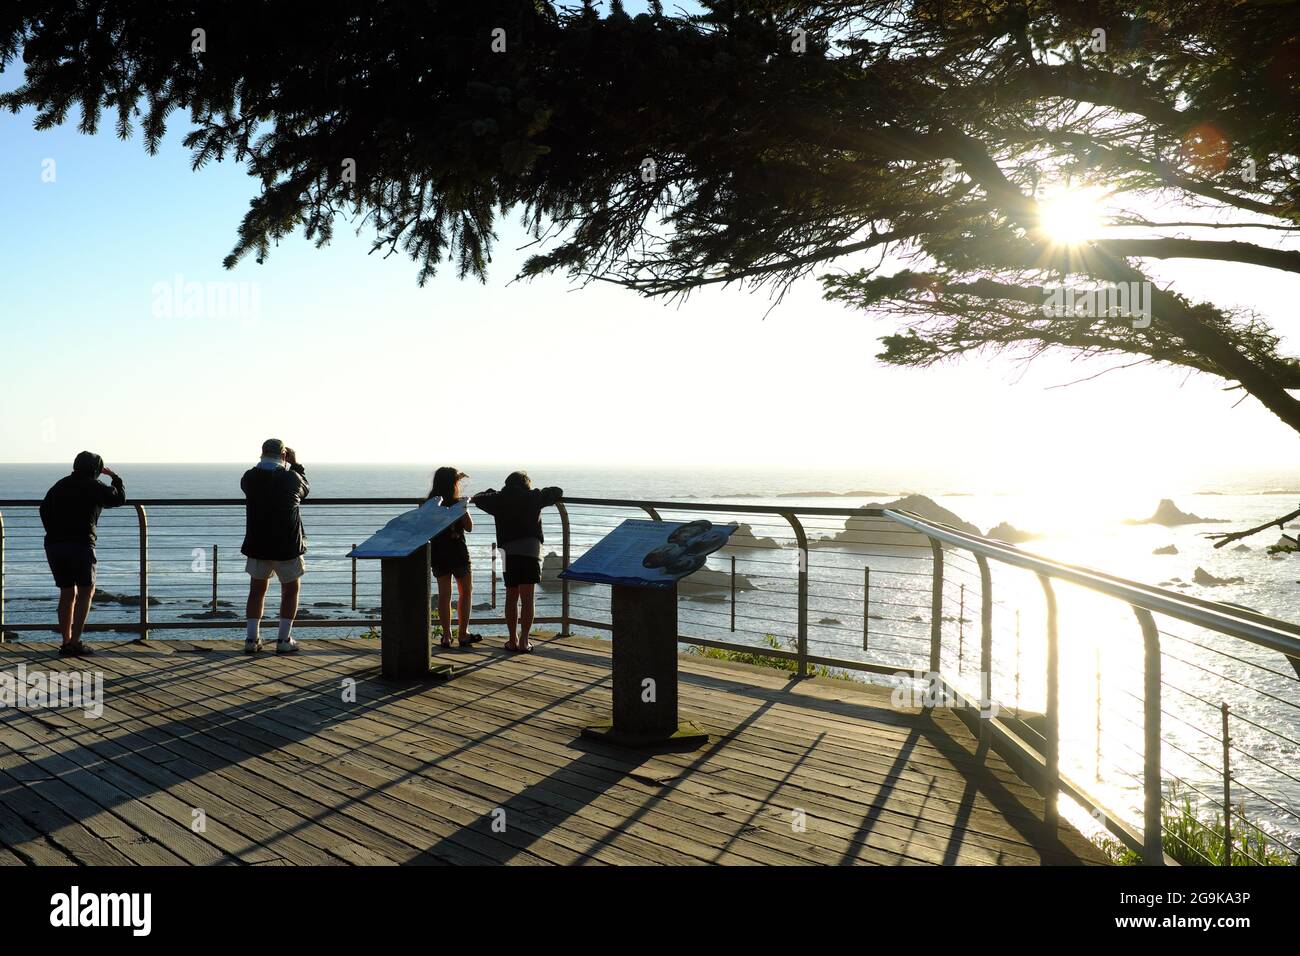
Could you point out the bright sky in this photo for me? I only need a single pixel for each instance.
(347, 360)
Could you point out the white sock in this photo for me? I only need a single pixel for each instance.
(253, 625)
(286, 625)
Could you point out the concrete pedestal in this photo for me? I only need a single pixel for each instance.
(645, 672)
(406, 631)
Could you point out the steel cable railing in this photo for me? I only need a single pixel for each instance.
(1040, 657)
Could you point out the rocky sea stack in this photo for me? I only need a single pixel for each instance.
(1168, 514)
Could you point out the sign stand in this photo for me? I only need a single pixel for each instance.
(406, 587)
(645, 672)
(642, 561)
(406, 628)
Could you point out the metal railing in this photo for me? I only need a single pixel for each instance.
(865, 590)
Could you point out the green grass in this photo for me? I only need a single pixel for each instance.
(763, 660)
(1196, 840)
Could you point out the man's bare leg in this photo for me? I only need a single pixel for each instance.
(512, 614)
(81, 611)
(253, 615)
(525, 614)
(66, 597)
(284, 642)
(256, 598)
(289, 599)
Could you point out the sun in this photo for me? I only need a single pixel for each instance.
(1071, 216)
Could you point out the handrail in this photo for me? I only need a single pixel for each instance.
(727, 506)
(212, 502)
(1226, 621)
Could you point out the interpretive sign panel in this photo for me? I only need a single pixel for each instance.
(650, 554)
(409, 531)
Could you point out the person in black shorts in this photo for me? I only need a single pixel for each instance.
(70, 514)
(449, 556)
(517, 508)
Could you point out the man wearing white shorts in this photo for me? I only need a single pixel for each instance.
(274, 541)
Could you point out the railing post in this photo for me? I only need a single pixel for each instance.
(1052, 735)
(215, 554)
(143, 521)
(802, 540)
(936, 607)
(986, 646)
(494, 574)
(1227, 790)
(961, 630)
(733, 594)
(354, 579)
(1096, 768)
(2, 578)
(1017, 663)
(564, 582)
(1152, 836)
(866, 605)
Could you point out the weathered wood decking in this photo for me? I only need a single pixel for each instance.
(285, 771)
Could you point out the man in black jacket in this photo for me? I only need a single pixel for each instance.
(517, 509)
(274, 541)
(70, 514)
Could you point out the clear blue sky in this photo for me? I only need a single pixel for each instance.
(348, 360)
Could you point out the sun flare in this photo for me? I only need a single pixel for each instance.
(1071, 216)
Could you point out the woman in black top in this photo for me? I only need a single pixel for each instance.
(449, 556)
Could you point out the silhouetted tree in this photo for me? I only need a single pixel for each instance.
(751, 143)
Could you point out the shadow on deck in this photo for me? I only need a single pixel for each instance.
(204, 755)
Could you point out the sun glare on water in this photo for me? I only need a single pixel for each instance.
(1071, 216)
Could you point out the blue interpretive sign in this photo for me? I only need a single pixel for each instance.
(650, 554)
(410, 531)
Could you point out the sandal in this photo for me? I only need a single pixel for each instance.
(78, 649)
(469, 640)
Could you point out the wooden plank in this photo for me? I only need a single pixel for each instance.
(413, 774)
(53, 808)
(33, 847)
(256, 821)
(240, 732)
(126, 796)
(601, 787)
(589, 839)
(956, 783)
(653, 849)
(462, 714)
